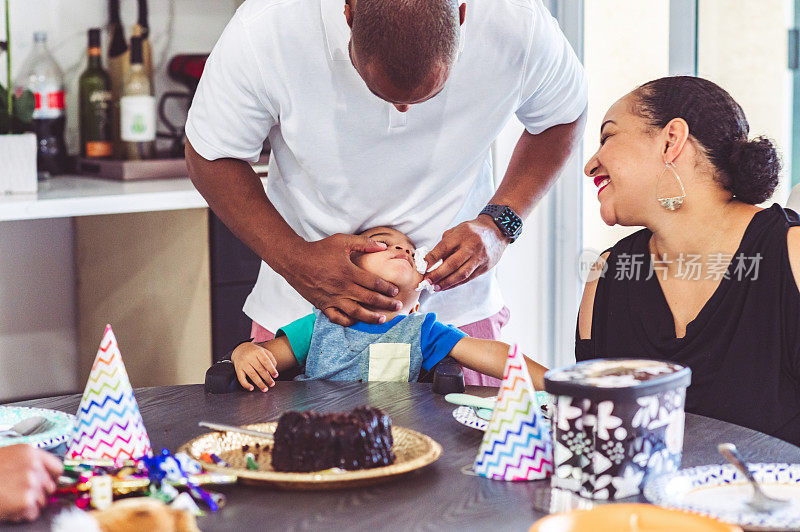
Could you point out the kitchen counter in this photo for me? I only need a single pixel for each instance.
(73, 195)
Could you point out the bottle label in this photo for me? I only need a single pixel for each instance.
(98, 148)
(138, 118)
(48, 104)
(100, 99)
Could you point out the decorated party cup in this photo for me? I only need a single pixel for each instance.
(615, 424)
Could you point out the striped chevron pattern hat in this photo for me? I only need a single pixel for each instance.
(516, 444)
(109, 425)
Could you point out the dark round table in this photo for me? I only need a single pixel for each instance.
(437, 497)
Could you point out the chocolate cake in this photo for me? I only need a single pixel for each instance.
(308, 441)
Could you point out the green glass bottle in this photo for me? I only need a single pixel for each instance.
(95, 104)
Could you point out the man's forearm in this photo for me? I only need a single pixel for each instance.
(236, 195)
(535, 165)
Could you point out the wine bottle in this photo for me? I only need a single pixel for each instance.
(142, 29)
(117, 69)
(95, 104)
(137, 109)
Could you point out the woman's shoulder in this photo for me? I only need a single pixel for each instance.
(586, 309)
(635, 243)
(793, 247)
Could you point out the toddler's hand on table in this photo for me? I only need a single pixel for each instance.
(252, 360)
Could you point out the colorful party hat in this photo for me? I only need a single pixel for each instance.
(109, 425)
(516, 445)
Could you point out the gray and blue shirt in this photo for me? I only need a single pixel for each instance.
(393, 351)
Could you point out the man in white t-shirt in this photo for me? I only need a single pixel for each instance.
(381, 113)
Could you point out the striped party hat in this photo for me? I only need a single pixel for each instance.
(109, 425)
(516, 444)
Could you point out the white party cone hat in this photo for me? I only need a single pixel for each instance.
(109, 425)
(517, 444)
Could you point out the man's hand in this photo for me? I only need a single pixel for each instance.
(468, 250)
(27, 477)
(324, 274)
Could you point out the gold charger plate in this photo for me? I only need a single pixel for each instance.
(412, 450)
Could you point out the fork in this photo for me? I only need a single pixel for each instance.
(29, 426)
(761, 502)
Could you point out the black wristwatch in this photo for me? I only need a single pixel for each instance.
(506, 219)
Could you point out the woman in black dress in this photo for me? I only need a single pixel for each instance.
(712, 280)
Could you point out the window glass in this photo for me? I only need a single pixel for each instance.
(626, 43)
(745, 51)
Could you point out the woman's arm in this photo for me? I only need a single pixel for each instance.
(793, 243)
(587, 302)
(489, 357)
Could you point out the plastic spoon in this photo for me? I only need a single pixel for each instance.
(465, 399)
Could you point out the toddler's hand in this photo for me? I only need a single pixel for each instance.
(251, 360)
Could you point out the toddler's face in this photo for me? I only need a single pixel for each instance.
(394, 264)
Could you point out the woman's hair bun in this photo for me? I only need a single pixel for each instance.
(753, 170)
(748, 169)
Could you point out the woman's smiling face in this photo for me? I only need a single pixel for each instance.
(626, 166)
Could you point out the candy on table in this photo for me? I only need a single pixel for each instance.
(83, 501)
(185, 502)
(164, 465)
(100, 492)
(165, 493)
(95, 482)
(219, 461)
(189, 465)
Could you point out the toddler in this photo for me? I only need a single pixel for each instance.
(396, 350)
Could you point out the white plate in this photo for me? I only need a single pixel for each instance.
(61, 430)
(466, 415)
(720, 491)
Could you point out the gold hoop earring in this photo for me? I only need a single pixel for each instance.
(671, 203)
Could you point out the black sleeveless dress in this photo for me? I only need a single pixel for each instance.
(743, 347)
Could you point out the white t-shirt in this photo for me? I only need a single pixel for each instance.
(344, 160)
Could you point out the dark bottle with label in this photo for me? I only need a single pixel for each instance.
(42, 76)
(95, 104)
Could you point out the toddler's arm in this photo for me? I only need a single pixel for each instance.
(489, 357)
(262, 362)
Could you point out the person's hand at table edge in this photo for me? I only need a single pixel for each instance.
(263, 362)
(467, 250)
(27, 477)
(325, 275)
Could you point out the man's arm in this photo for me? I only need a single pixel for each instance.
(473, 247)
(489, 357)
(320, 271)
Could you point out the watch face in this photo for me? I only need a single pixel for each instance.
(510, 221)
